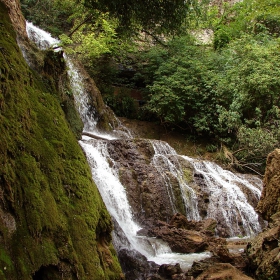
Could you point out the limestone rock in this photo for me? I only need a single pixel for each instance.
(145, 187)
(181, 240)
(206, 226)
(264, 254)
(136, 266)
(171, 272)
(264, 251)
(184, 236)
(200, 266)
(222, 271)
(269, 203)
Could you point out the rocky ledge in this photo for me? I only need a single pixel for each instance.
(184, 236)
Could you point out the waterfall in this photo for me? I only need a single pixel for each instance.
(81, 100)
(162, 161)
(41, 38)
(111, 189)
(227, 202)
(102, 167)
(223, 187)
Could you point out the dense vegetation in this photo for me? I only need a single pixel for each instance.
(225, 89)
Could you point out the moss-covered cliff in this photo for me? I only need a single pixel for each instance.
(53, 223)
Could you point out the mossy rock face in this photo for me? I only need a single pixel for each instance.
(53, 222)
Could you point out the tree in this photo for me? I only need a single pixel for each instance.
(157, 15)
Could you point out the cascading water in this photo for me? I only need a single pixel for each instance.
(163, 162)
(222, 185)
(42, 39)
(228, 204)
(112, 191)
(104, 175)
(86, 109)
(81, 100)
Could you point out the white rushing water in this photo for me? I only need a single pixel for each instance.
(81, 99)
(162, 162)
(226, 197)
(225, 193)
(41, 38)
(111, 189)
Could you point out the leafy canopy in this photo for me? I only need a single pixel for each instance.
(157, 15)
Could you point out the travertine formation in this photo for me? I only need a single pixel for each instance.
(264, 250)
(269, 203)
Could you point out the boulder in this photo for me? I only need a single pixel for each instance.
(136, 266)
(263, 251)
(264, 254)
(200, 266)
(206, 226)
(222, 271)
(269, 203)
(181, 240)
(170, 271)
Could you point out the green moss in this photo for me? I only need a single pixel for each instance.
(188, 175)
(6, 265)
(45, 181)
(179, 202)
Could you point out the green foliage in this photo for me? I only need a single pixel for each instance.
(181, 92)
(97, 39)
(221, 38)
(160, 16)
(216, 93)
(254, 144)
(251, 78)
(51, 15)
(122, 104)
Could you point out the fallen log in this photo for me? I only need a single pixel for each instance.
(89, 134)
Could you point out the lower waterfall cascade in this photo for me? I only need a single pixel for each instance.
(226, 194)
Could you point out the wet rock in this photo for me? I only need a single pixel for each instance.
(184, 236)
(181, 240)
(198, 267)
(263, 251)
(264, 254)
(180, 221)
(222, 271)
(145, 186)
(154, 277)
(135, 266)
(269, 203)
(171, 271)
(222, 252)
(206, 226)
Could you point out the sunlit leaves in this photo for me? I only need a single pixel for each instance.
(97, 39)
